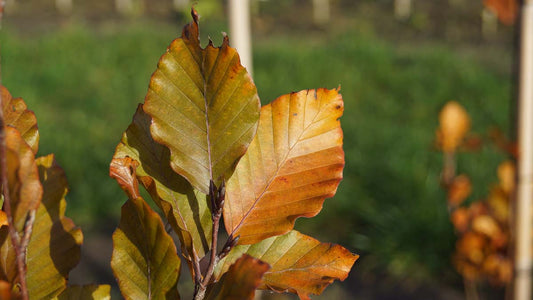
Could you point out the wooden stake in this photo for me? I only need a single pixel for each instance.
(240, 31)
(402, 9)
(321, 12)
(523, 263)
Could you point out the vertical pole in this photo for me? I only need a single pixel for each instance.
(402, 9)
(64, 6)
(489, 23)
(321, 12)
(523, 263)
(239, 27)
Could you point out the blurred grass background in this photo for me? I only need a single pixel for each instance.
(84, 74)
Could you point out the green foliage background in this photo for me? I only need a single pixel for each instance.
(84, 84)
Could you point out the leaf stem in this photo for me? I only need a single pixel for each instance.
(217, 196)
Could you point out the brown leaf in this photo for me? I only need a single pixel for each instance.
(240, 281)
(300, 264)
(23, 178)
(454, 124)
(17, 114)
(292, 165)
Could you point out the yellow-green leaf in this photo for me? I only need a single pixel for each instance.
(240, 281)
(86, 292)
(204, 106)
(300, 264)
(145, 261)
(17, 114)
(186, 208)
(54, 247)
(294, 162)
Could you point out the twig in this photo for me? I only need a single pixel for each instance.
(217, 197)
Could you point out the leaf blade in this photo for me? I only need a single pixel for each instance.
(186, 208)
(86, 292)
(55, 244)
(292, 165)
(204, 107)
(144, 260)
(300, 264)
(240, 281)
(17, 114)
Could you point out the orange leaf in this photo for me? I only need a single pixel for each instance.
(300, 264)
(459, 190)
(454, 124)
(506, 10)
(506, 175)
(17, 114)
(241, 280)
(294, 162)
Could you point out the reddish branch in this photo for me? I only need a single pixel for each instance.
(217, 197)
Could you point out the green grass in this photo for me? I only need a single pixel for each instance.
(84, 86)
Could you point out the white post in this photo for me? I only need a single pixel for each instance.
(64, 6)
(240, 31)
(402, 9)
(523, 263)
(180, 4)
(321, 12)
(129, 7)
(489, 23)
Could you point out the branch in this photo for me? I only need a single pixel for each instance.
(15, 239)
(217, 197)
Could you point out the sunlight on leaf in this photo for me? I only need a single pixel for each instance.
(186, 209)
(144, 261)
(240, 281)
(300, 264)
(293, 164)
(54, 247)
(204, 106)
(17, 114)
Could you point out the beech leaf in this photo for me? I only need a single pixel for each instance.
(204, 106)
(294, 162)
(186, 208)
(25, 190)
(300, 264)
(54, 247)
(144, 261)
(240, 281)
(17, 114)
(86, 292)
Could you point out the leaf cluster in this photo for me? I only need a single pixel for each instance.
(38, 244)
(207, 152)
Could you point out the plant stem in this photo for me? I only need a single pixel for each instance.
(217, 196)
(15, 239)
